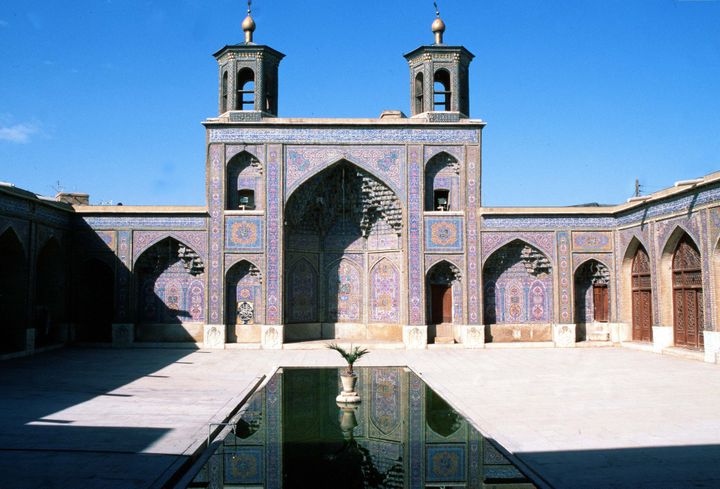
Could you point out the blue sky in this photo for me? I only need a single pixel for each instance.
(581, 96)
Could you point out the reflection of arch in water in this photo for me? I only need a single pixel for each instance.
(439, 416)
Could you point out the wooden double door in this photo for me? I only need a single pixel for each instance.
(641, 297)
(688, 312)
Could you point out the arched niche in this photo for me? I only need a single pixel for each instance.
(443, 286)
(337, 222)
(95, 301)
(518, 292)
(13, 292)
(442, 183)
(244, 189)
(50, 299)
(170, 293)
(665, 273)
(245, 98)
(244, 307)
(442, 91)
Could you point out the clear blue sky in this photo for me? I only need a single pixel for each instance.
(581, 96)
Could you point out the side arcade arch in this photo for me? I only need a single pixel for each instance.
(518, 293)
(95, 301)
(13, 292)
(592, 300)
(443, 288)
(170, 293)
(50, 299)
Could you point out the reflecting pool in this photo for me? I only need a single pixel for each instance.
(292, 434)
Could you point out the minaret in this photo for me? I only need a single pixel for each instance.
(248, 77)
(439, 76)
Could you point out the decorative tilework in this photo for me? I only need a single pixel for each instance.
(714, 225)
(592, 241)
(346, 135)
(474, 454)
(444, 234)
(626, 236)
(216, 201)
(170, 222)
(385, 292)
(415, 257)
(344, 292)
(255, 259)
(142, 240)
(672, 205)
(387, 163)
(122, 276)
(302, 293)
(109, 238)
(563, 240)
(548, 222)
(492, 241)
(244, 464)
(708, 297)
(580, 258)
(445, 463)
(274, 234)
(244, 233)
(473, 204)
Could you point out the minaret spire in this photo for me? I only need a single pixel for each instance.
(248, 25)
(438, 26)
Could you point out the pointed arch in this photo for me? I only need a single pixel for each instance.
(13, 292)
(170, 284)
(517, 275)
(687, 294)
(636, 292)
(665, 270)
(592, 295)
(443, 286)
(11, 231)
(140, 247)
(384, 292)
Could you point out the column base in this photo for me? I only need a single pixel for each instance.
(214, 336)
(712, 346)
(620, 332)
(272, 337)
(564, 335)
(123, 334)
(30, 341)
(662, 338)
(472, 335)
(415, 337)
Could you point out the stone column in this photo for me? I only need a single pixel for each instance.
(472, 336)
(415, 337)
(214, 336)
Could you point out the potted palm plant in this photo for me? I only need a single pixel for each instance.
(348, 377)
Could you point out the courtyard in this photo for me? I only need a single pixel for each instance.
(583, 417)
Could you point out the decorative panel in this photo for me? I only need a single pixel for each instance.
(444, 234)
(385, 292)
(244, 233)
(274, 234)
(302, 292)
(445, 463)
(344, 135)
(544, 241)
(344, 292)
(564, 274)
(592, 241)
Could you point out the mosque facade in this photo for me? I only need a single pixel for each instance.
(361, 230)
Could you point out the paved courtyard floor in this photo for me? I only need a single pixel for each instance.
(578, 418)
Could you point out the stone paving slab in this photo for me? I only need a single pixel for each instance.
(606, 417)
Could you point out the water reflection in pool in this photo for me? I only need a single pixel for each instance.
(292, 434)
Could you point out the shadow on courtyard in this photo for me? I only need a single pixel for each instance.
(41, 395)
(644, 467)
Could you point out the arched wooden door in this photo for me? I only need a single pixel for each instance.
(688, 317)
(641, 297)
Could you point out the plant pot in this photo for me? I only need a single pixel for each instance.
(348, 382)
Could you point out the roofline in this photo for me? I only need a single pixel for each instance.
(440, 48)
(249, 47)
(326, 121)
(145, 209)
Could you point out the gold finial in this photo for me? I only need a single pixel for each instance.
(248, 25)
(438, 26)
